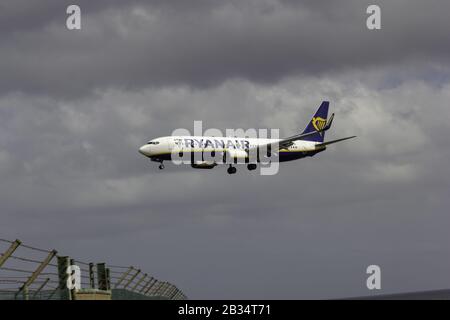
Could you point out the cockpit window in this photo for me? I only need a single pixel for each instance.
(153, 142)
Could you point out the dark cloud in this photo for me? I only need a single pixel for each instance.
(75, 107)
(202, 43)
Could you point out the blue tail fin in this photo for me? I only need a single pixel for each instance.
(318, 122)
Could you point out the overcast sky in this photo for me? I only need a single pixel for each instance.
(76, 105)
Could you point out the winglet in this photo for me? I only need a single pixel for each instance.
(328, 126)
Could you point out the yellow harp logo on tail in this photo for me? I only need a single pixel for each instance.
(319, 123)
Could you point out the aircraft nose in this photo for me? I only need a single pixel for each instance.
(145, 150)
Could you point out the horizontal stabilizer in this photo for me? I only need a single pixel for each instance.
(333, 141)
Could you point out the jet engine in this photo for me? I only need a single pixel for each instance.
(203, 165)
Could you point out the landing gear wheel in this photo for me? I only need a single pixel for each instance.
(231, 170)
(161, 166)
(251, 166)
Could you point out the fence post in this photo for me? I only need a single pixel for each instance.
(101, 276)
(36, 273)
(167, 289)
(145, 286)
(24, 290)
(124, 275)
(91, 276)
(63, 264)
(73, 290)
(139, 282)
(132, 278)
(174, 293)
(9, 252)
(151, 286)
(108, 279)
(158, 288)
(40, 288)
(171, 291)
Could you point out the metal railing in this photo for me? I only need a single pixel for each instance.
(32, 273)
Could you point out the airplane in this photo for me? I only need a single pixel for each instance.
(202, 152)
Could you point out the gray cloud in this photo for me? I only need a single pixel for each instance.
(202, 44)
(75, 106)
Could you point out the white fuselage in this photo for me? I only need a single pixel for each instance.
(162, 148)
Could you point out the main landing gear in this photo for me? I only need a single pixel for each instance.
(231, 169)
(250, 166)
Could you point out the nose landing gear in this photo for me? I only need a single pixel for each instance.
(161, 165)
(231, 170)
